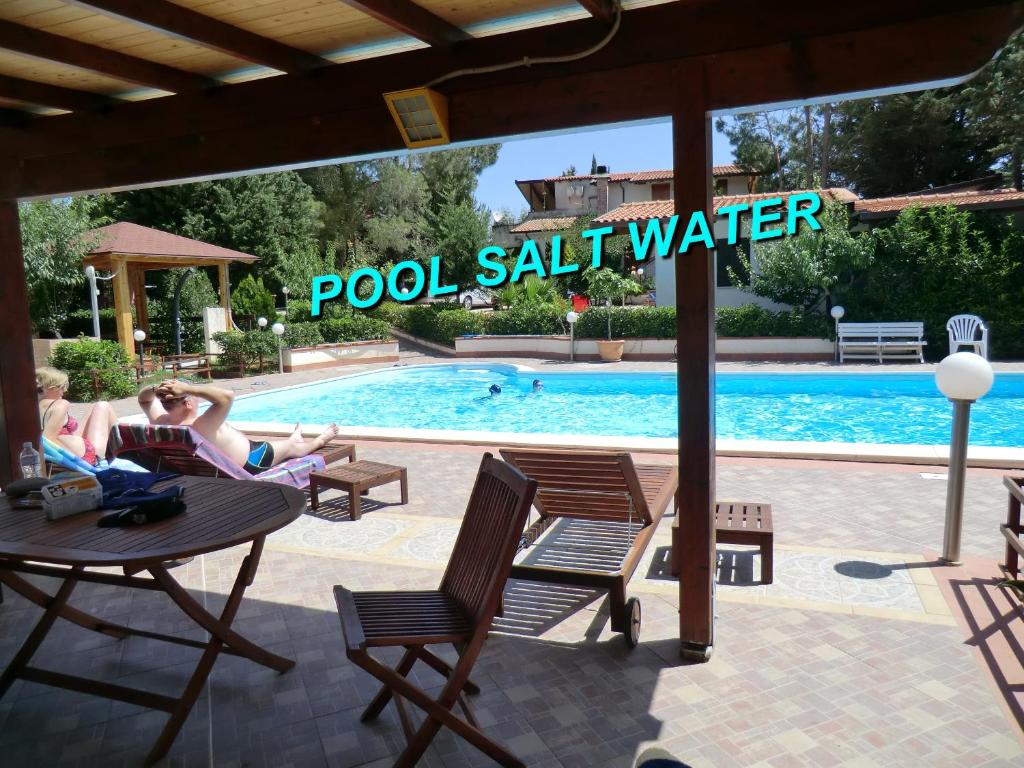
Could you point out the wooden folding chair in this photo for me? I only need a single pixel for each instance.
(460, 612)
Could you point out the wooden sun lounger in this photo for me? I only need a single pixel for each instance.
(602, 510)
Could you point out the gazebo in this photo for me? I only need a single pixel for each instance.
(130, 250)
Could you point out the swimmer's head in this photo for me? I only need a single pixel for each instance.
(537, 384)
(494, 389)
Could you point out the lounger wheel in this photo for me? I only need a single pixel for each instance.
(632, 615)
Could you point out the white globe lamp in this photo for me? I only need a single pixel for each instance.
(963, 377)
(262, 322)
(837, 313)
(571, 318)
(278, 330)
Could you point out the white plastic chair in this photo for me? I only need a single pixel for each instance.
(962, 331)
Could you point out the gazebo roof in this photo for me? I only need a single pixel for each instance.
(155, 249)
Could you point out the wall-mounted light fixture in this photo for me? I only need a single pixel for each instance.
(421, 115)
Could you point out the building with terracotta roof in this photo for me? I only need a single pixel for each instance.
(555, 198)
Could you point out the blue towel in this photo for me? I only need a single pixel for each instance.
(123, 489)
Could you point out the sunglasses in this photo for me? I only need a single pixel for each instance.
(172, 402)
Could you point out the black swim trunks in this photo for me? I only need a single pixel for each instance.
(261, 457)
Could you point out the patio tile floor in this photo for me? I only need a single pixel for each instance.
(852, 657)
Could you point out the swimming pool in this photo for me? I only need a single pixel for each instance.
(886, 408)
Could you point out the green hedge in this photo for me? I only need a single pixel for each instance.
(244, 349)
(78, 358)
(752, 320)
(353, 327)
(302, 335)
(79, 323)
(627, 323)
(526, 319)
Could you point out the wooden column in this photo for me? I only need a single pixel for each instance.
(137, 278)
(19, 414)
(224, 286)
(123, 306)
(695, 367)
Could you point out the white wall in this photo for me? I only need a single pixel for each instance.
(726, 296)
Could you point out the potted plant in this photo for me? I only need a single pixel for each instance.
(606, 285)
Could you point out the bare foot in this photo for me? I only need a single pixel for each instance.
(326, 436)
(296, 436)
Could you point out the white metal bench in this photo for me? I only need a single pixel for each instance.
(881, 341)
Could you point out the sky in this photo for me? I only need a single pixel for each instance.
(622, 148)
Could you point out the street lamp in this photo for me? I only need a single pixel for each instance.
(963, 377)
(278, 330)
(571, 318)
(837, 315)
(262, 323)
(90, 274)
(140, 336)
(284, 290)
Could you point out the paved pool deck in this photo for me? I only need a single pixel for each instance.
(864, 652)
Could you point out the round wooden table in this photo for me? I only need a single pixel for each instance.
(220, 513)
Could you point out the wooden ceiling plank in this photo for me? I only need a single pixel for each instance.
(599, 9)
(46, 95)
(208, 31)
(873, 58)
(64, 50)
(412, 20)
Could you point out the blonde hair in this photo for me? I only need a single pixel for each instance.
(47, 378)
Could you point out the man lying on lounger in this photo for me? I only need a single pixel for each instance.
(177, 403)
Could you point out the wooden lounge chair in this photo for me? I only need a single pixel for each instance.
(460, 612)
(605, 509)
(182, 449)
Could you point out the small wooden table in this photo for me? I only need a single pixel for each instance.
(220, 513)
(737, 522)
(356, 477)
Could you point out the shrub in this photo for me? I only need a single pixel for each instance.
(752, 320)
(79, 358)
(251, 299)
(79, 323)
(302, 335)
(390, 311)
(632, 323)
(526, 319)
(354, 327)
(440, 322)
(243, 349)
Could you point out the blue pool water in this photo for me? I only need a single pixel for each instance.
(900, 408)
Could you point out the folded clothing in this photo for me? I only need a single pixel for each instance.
(122, 489)
(153, 508)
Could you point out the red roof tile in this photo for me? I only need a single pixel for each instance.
(127, 238)
(544, 224)
(662, 209)
(989, 198)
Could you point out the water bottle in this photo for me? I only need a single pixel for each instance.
(30, 465)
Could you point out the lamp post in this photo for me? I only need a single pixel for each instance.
(284, 290)
(90, 273)
(571, 318)
(278, 330)
(963, 377)
(140, 336)
(837, 315)
(262, 323)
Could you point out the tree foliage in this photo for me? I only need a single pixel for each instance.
(53, 245)
(804, 269)
(458, 231)
(252, 300)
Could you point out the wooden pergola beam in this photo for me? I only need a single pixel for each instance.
(46, 95)
(412, 20)
(599, 9)
(712, 32)
(210, 32)
(360, 126)
(64, 50)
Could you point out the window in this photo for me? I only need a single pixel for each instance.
(660, 191)
(721, 187)
(725, 257)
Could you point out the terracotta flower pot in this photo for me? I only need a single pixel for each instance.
(611, 350)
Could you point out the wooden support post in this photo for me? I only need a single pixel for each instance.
(138, 283)
(19, 415)
(123, 306)
(225, 292)
(695, 366)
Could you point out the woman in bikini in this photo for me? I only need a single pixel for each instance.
(86, 439)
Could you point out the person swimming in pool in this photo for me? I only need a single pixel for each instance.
(494, 389)
(537, 386)
(177, 403)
